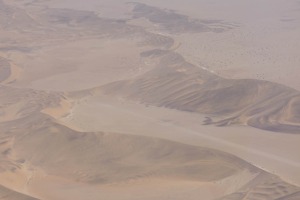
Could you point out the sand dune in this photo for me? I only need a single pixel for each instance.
(178, 84)
(266, 187)
(101, 113)
(111, 160)
(7, 194)
(98, 105)
(133, 158)
(102, 158)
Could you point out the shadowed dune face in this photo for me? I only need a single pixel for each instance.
(7, 194)
(179, 85)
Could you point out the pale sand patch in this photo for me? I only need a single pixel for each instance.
(274, 152)
(59, 111)
(85, 64)
(14, 180)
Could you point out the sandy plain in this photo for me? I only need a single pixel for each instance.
(263, 45)
(149, 100)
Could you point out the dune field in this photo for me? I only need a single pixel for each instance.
(117, 100)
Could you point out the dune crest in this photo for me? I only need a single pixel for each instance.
(177, 84)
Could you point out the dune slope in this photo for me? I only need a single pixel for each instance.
(6, 194)
(40, 147)
(54, 57)
(178, 84)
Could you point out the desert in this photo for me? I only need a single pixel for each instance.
(117, 100)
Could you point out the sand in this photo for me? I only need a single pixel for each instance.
(149, 100)
(256, 146)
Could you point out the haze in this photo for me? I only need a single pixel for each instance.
(160, 99)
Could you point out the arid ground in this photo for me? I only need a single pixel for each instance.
(160, 99)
